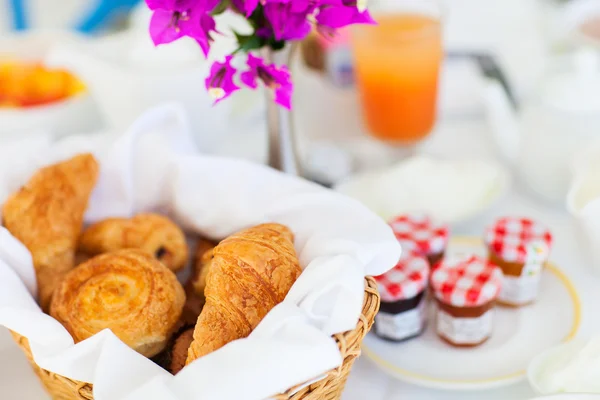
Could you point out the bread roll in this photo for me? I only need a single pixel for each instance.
(153, 233)
(128, 292)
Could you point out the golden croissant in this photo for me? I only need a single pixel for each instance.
(46, 216)
(153, 233)
(128, 292)
(250, 273)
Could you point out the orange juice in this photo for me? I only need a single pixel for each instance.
(28, 84)
(397, 65)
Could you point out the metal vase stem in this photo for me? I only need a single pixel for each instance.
(281, 139)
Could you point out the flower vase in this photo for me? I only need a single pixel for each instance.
(281, 139)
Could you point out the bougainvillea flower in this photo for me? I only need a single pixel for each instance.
(339, 13)
(220, 83)
(289, 20)
(246, 7)
(278, 79)
(173, 19)
(361, 5)
(207, 26)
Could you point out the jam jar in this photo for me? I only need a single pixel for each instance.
(402, 314)
(420, 234)
(465, 291)
(520, 246)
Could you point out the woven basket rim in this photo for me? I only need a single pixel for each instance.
(348, 342)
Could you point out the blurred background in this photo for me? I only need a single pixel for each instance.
(395, 115)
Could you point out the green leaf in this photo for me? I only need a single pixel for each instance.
(221, 7)
(249, 42)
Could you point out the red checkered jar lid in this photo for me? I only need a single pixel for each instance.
(519, 240)
(406, 280)
(466, 282)
(418, 232)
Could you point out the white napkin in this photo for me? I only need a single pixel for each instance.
(154, 166)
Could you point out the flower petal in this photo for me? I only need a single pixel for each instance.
(162, 29)
(286, 23)
(283, 96)
(219, 83)
(340, 16)
(155, 4)
(248, 78)
(199, 26)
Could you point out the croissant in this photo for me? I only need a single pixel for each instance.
(150, 232)
(128, 292)
(250, 273)
(46, 216)
(202, 261)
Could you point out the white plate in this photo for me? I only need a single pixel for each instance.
(519, 335)
(428, 184)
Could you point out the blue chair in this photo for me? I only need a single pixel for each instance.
(19, 19)
(103, 12)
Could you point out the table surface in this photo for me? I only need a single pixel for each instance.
(455, 137)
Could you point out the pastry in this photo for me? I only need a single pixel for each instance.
(153, 233)
(180, 350)
(250, 273)
(126, 291)
(46, 215)
(202, 261)
(173, 357)
(194, 287)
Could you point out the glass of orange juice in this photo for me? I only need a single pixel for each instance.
(397, 64)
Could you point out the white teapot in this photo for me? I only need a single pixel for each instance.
(562, 117)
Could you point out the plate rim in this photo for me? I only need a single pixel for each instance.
(487, 383)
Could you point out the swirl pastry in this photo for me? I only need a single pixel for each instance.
(250, 273)
(128, 292)
(153, 233)
(46, 215)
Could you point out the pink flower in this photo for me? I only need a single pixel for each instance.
(173, 19)
(339, 13)
(288, 20)
(277, 79)
(245, 7)
(220, 83)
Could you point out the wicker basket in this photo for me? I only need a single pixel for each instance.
(328, 388)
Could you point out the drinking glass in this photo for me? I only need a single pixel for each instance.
(397, 64)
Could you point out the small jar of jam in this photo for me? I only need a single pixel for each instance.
(465, 290)
(521, 247)
(418, 233)
(402, 314)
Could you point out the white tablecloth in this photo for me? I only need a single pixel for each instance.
(453, 137)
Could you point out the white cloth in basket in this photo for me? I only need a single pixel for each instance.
(155, 167)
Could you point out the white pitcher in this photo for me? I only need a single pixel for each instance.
(583, 201)
(561, 117)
